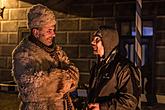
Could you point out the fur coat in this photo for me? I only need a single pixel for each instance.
(43, 80)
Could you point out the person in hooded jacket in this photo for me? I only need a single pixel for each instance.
(114, 80)
(43, 72)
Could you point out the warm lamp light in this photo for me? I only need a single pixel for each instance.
(1, 11)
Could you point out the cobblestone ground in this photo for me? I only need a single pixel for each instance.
(9, 101)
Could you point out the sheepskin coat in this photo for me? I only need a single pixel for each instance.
(43, 78)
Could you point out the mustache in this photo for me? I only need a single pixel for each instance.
(53, 39)
(93, 45)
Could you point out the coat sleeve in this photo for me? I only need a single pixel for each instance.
(35, 84)
(127, 92)
(70, 71)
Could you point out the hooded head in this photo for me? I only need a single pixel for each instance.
(40, 15)
(109, 37)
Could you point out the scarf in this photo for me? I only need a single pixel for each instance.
(50, 49)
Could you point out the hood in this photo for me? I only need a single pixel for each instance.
(110, 38)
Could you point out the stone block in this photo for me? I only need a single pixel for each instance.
(9, 63)
(79, 38)
(1, 2)
(61, 38)
(160, 8)
(84, 79)
(149, 9)
(110, 22)
(22, 23)
(160, 89)
(18, 14)
(60, 15)
(82, 64)
(72, 51)
(160, 24)
(23, 4)
(86, 52)
(159, 69)
(5, 75)
(3, 61)
(160, 38)
(6, 50)
(13, 38)
(11, 3)
(68, 25)
(91, 24)
(160, 53)
(9, 26)
(3, 38)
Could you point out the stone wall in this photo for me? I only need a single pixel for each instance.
(76, 20)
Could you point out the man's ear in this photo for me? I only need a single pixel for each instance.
(35, 33)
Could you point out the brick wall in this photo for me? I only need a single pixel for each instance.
(160, 52)
(75, 23)
(14, 16)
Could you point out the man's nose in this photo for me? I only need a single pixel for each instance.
(93, 42)
(53, 34)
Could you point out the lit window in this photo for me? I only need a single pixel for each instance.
(147, 29)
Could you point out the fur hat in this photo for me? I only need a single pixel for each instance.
(40, 15)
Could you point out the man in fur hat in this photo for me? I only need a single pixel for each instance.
(44, 74)
(115, 81)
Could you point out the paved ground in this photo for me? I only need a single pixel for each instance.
(9, 101)
(156, 107)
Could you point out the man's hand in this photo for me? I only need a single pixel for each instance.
(93, 106)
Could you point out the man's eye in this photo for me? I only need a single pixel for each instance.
(97, 39)
(49, 31)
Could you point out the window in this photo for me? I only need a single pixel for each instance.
(127, 34)
(147, 29)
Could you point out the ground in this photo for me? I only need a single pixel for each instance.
(10, 101)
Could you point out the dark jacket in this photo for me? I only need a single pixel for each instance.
(114, 83)
(44, 79)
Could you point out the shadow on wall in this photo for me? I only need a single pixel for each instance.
(83, 8)
(61, 5)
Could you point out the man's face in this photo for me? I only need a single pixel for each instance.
(46, 34)
(97, 46)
